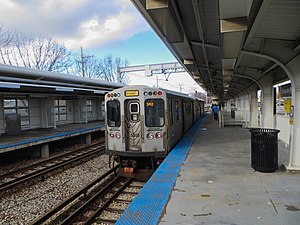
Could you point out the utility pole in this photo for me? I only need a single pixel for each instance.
(180, 86)
(81, 57)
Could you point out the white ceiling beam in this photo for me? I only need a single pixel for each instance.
(188, 62)
(228, 64)
(156, 4)
(233, 24)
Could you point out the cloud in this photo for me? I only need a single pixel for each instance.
(87, 23)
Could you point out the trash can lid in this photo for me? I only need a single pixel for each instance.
(264, 130)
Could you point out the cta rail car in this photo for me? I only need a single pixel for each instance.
(144, 123)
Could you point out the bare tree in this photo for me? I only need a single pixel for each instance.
(5, 40)
(86, 66)
(108, 67)
(36, 52)
(104, 69)
(5, 37)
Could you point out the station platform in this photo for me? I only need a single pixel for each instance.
(28, 138)
(208, 179)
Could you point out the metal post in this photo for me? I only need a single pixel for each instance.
(81, 57)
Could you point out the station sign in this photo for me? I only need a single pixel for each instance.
(287, 105)
(285, 90)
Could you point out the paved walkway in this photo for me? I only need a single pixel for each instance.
(216, 184)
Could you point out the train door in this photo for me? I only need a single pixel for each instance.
(133, 127)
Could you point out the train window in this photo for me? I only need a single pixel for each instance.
(134, 111)
(171, 112)
(154, 113)
(134, 107)
(177, 111)
(113, 113)
(18, 105)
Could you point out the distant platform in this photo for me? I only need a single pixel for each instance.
(10, 142)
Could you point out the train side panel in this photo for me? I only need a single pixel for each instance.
(175, 121)
(188, 116)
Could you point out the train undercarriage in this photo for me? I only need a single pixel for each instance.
(140, 168)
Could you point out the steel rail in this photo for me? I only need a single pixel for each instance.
(49, 160)
(71, 218)
(70, 199)
(107, 203)
(46, 168)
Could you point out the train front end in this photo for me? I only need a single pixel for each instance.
(136, 129)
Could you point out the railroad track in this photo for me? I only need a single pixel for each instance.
(44, 167)
(97, 204)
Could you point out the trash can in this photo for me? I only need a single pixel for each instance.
(264, 149)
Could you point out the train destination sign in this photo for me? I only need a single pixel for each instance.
(149, 104)
(131, 93)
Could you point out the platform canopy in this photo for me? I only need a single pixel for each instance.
(227, 45)
(20, 79)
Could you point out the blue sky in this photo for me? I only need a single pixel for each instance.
(101, 27)
(142, 48)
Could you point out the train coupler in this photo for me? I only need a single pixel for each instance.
(128, 165)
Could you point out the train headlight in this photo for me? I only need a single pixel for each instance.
(150, 136)
(158, 135)
(118, 135)
(112, 135)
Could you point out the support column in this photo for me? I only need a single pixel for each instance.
(101, 109)
(228, 105)
(2, 126)
(294, 160)
(247, 109)
(80, 110)
(88, 138)
(244, 116)
(267, 102)
(45, 151)
(48, 113)
(254, 109)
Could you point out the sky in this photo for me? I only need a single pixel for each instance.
(100, 27)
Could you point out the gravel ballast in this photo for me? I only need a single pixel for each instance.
(30, 202)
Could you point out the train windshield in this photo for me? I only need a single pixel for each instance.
(154, 113)
(113, 113)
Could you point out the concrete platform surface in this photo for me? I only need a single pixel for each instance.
(217, 186)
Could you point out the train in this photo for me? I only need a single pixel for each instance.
(142, 125)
